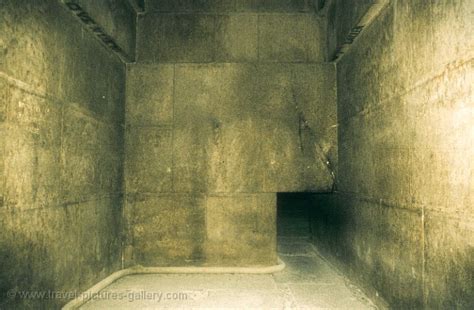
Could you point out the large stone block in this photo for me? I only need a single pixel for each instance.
(24, 108)
(241, 230)
(3, 133)
(31, 167)
(346, 16)
(165, 230)
(31, 151)
(302, 92)
(77, 59)
(148, 160)
(4, 98)
(241, 128)
(149, 95)
(190, 5)
(451, 23)
(405, 139)
(380, 246)
(223, 91)
(64, 249)
(440, 113)
(290, 38)
(291, 160)
(389, 250)
(92, 96)
(176, 38)
(190, 157)
(90, 157)
(40, 48)
(300, 100)
(413, 51)
(235, 158)
(60, 143)
(209, 98)
(117, 19)
(363, 91)
(237, 38)
(280, 96)
(273, 5)
(449, 261)
(443, 180)
(392, 175)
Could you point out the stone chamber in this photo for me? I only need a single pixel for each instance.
(337, 135)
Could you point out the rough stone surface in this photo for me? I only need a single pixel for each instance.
(117, 19)
(196, 229)
(448, 262)
(228, 98)
(165, 229)
(291, 38)
(237, 37)
(240, 230)
(227, 129)
(61, 110)
(149, 161)
(150, 94)
(226, 6)
(138, 5)
(272, 137)
(189, 6)
(402, 221)
(273, 5)
(176, 38)
(340, 24)
(255, 140)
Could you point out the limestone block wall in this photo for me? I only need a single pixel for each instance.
(116, 18)
(61, 137)
(402, 222)
(342, 16)
(227, 105)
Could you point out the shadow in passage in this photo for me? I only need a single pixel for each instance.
(293, 215)
(308, 279)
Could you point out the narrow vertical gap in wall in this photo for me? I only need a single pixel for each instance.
(293, 215)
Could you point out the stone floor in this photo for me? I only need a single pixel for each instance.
(307, 282)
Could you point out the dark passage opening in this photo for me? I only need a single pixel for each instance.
(293, 214)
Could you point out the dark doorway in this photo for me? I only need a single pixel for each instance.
(293, 215)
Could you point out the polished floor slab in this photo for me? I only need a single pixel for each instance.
(307, 282)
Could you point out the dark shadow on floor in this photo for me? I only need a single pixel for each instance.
(293, 215)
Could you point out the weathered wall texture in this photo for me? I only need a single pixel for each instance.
(117, 18)
(342, 16)
(229, 6)
(402, 222)
(138, 5)
(223, 111)
(61, 115)
(201, 34)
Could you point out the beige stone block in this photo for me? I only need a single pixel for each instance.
(237, 38)
(149, 95)
(290, 38)
(175, 38)
(241, 230)
(165, 230)
(148, 160)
